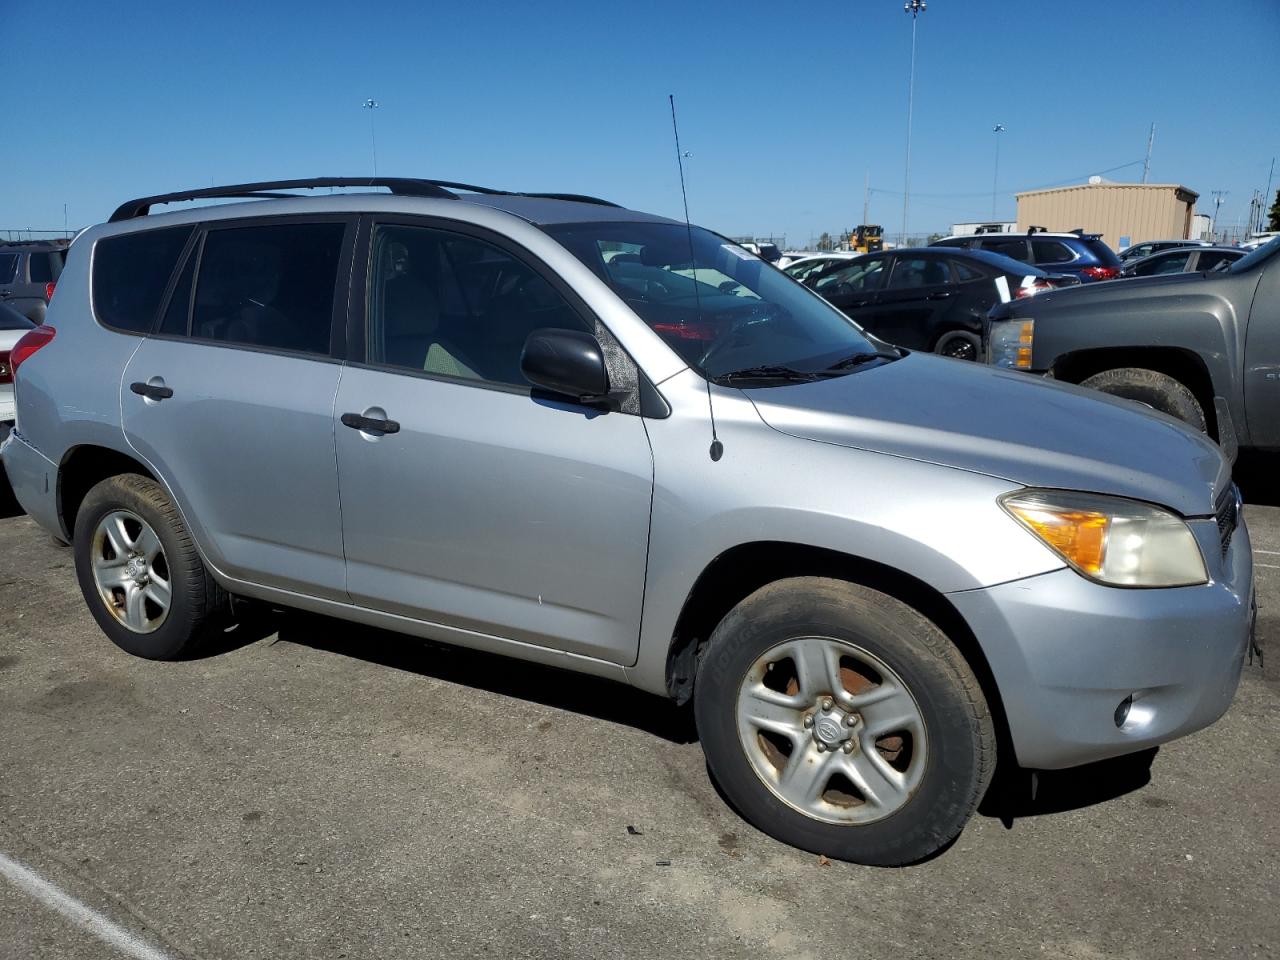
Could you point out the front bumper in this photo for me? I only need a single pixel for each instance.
(33, 478)
(1065, 652)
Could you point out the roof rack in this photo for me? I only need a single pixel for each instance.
(269, 189)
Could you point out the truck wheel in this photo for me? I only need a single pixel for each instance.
(140, 573)
(841, 721)
(1157, 390)
(959, 344)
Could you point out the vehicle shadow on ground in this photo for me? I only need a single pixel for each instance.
(1255, 473)
(562, 689)
(1017, 793)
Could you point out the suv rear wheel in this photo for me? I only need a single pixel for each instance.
(841, 721)
(1156, 390)
(139, 571)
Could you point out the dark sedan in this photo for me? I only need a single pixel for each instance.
(931, 298)
(1183, 260)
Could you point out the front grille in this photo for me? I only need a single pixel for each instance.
(1227, 514)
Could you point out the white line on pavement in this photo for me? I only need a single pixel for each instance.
(1269, 566)
(78, 913)
(1270, 553)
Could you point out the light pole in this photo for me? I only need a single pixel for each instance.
(995, 179)
(915, 8)
(372, 105)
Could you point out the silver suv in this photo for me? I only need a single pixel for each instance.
(580, 435)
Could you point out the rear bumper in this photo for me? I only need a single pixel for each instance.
(1066, 652)
(33, 478)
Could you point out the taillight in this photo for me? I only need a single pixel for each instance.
(31, 341)
(1101, 273)
(1032, 288)
(48, 290)
(6, 372)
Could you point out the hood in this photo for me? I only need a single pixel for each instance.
(1091, 295)
(1005, 424)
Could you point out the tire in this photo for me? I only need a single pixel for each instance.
(960, 345)
(116, 561)
(949, 746)
(1156, 390)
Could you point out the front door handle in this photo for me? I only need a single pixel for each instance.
(151, 391)
(940, 295)
(370, 424)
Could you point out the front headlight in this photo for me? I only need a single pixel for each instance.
(1011, 342)
(1119, 542)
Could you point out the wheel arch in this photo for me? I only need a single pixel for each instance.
(1185, 366)
(741, 570)
(83, 467)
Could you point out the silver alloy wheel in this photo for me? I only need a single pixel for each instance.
(832, 730)
(130, 571)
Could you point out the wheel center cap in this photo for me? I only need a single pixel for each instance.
(830, 729)
(137, 568)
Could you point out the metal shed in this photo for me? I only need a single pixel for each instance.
(1137, 211)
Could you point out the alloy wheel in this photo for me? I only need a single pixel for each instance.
(130, 571)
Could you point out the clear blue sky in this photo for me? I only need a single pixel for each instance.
(784, 106)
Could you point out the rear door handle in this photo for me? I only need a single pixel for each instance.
(370, 424)
(151, 391)
(940, 295)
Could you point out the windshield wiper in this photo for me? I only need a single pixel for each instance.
(766, 372)
(857, 359)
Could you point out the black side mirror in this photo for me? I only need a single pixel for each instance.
(567, 362)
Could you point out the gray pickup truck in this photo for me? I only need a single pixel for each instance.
(1203, 347)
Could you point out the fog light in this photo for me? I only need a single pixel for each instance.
(1122, 711)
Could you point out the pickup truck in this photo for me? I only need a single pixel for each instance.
(1203, 347)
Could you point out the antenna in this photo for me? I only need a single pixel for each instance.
(717, 448)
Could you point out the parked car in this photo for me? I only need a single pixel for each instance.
(1082, 255)
(869, 570)
(928, 298)
(28, 273)
(1202, 347)
(801, 267)
(1258, 239)
(1141, 250)
(1183, 260)
(768, 252)
(12, 327)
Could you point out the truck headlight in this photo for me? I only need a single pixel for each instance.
(1011, 342)
(1115, 541)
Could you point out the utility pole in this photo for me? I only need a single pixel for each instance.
(1146, 164)
(1218, 196)
(866, 199)
(372, 105)
(1267, 199)
(995, 179)
(915, 8)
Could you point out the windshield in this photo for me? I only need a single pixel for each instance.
(1257, 256)
(734, 313)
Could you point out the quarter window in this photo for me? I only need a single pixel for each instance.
(269, 286)
(1050, 251)
(964, 273)
(451, 305)
(130, 273)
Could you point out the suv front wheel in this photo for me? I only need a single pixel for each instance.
(841, 721)
(140, 573)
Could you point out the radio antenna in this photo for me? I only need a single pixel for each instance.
(717, 448)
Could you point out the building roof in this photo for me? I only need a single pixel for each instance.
(1107, 185)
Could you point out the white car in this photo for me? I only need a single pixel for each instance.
(12, 326)
(1258, 239)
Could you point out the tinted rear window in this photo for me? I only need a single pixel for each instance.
(1101, 252)
(8, 267)
(45, 267)
(11, 319)
(1050, 251)
(130, 273)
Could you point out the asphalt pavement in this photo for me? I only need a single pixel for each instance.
(317, 789)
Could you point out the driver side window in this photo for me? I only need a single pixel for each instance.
(451, 305)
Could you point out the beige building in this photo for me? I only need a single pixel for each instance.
(1124, 213)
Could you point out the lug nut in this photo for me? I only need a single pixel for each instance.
(848, 746)
(822, 747)
(808, 722)
(828, 703)
(851, 720)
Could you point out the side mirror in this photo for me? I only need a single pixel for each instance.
(567, 362)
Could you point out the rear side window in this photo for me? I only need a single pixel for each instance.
(1017, 249)
(909, 272)
(8, 267)
(964, 273)
(269, 286)
(45, 267)
(130, 273)
(1214, 258)
(1050, 251)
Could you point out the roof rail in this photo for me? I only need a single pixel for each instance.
(268, 189)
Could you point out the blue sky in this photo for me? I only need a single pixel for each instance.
(786, 107)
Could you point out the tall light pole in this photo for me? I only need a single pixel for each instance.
(372, 105)
(995, 179)
(1217, 202)
(915, 8)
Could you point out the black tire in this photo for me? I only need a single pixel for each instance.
(1157, 390)
(960, 345)
(961, 757)
(198, 606)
